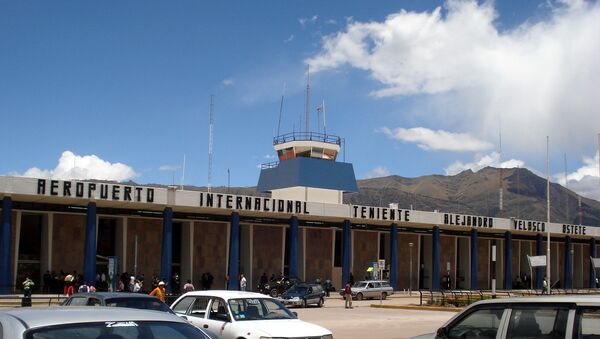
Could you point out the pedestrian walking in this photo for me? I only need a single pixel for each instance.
(545, 286)
(348, 295)
(188, 287)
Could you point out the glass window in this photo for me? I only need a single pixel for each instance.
(141, 303)
(329, 154)
(589, 323)
(538, 323)
(482, 323)
(94, 302)
(258, 309)
(218, 310)
(118, 329)
(317, 153)
(78, 301)
(199, 307)
(182, 306)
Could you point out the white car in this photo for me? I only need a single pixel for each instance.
(247, 315)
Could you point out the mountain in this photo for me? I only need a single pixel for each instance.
(524, 195)
(476, 193)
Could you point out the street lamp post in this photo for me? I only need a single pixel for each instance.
(410, 245)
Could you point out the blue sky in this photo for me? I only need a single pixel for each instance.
(120, 89)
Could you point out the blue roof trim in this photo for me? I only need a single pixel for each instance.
(308, 172)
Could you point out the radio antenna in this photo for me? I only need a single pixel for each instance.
(307, 103)
(280, 109)
(183, 172)
(210, 142)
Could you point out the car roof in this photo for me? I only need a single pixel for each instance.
(38, 317)
(107, 295)
(227, 294)
(549, 299)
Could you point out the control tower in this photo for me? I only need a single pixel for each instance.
(307, 169)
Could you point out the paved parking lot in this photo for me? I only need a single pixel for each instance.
(364, 321)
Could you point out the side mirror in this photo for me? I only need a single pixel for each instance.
(441, 333)
(295, 314)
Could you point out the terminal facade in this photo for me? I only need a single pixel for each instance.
(303, 229)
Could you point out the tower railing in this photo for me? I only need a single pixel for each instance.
(307, 136)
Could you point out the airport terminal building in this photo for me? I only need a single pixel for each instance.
(303, 229)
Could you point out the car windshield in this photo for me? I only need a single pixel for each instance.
(360, 284)
(258, 309)
(298, 289)
(118, 330)
(141, 303)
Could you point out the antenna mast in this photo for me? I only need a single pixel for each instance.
(566, 191)
(307, 103)
(501, 182)
(210, 142)
(183, 172)
(280, 109)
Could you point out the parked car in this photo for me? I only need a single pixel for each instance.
(94, 323)
(116, 299)
(371, 289)
(531, 317)
(247, 315)
(303, 295)
(278, 286)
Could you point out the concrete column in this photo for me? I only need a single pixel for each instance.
(6, 257)
(234, 252)
(89, 257)
(293, 264)
(394, 256)
(474, 262)
(507, 260)
(435, 258)
(166, 261)
(539, 271)
(568, 277)
(346, 252)
(592, 269)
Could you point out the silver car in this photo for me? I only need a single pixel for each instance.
(532, 317)
(371, 289)
(93, 323)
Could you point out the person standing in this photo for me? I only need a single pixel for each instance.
(348, 295)
(27, 287)
(188, 287)
(160, 291)
(242, 283)
(545, 286)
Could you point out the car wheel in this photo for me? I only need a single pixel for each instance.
(320, 304)
(383, 295)
(304, 303)
(359, 296)
(274, 293)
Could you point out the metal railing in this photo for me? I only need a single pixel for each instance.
(307, 136)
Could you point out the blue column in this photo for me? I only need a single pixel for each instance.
(346, 254)
(293, 264)
(568, 278)
(234, 252)
(435, 258)
(89, 256)
(507, 260)
(539, 271)
(592, 269)
(6, 257)
(394, 256)
(474, 285)
(166, 261)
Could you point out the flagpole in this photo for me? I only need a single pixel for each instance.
(548, 214)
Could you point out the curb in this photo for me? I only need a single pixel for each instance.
(418, 308)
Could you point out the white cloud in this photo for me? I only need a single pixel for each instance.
(479, 162)
(377, 172)
(228, 82)
(72, 166)
(533, 76)
(290, 39)
(437, 140)
(585, 180)
(269, 156)
(304, 21)
(169, 168)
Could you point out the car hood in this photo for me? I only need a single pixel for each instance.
(283, 328)
(424, 336)
(290, 295)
